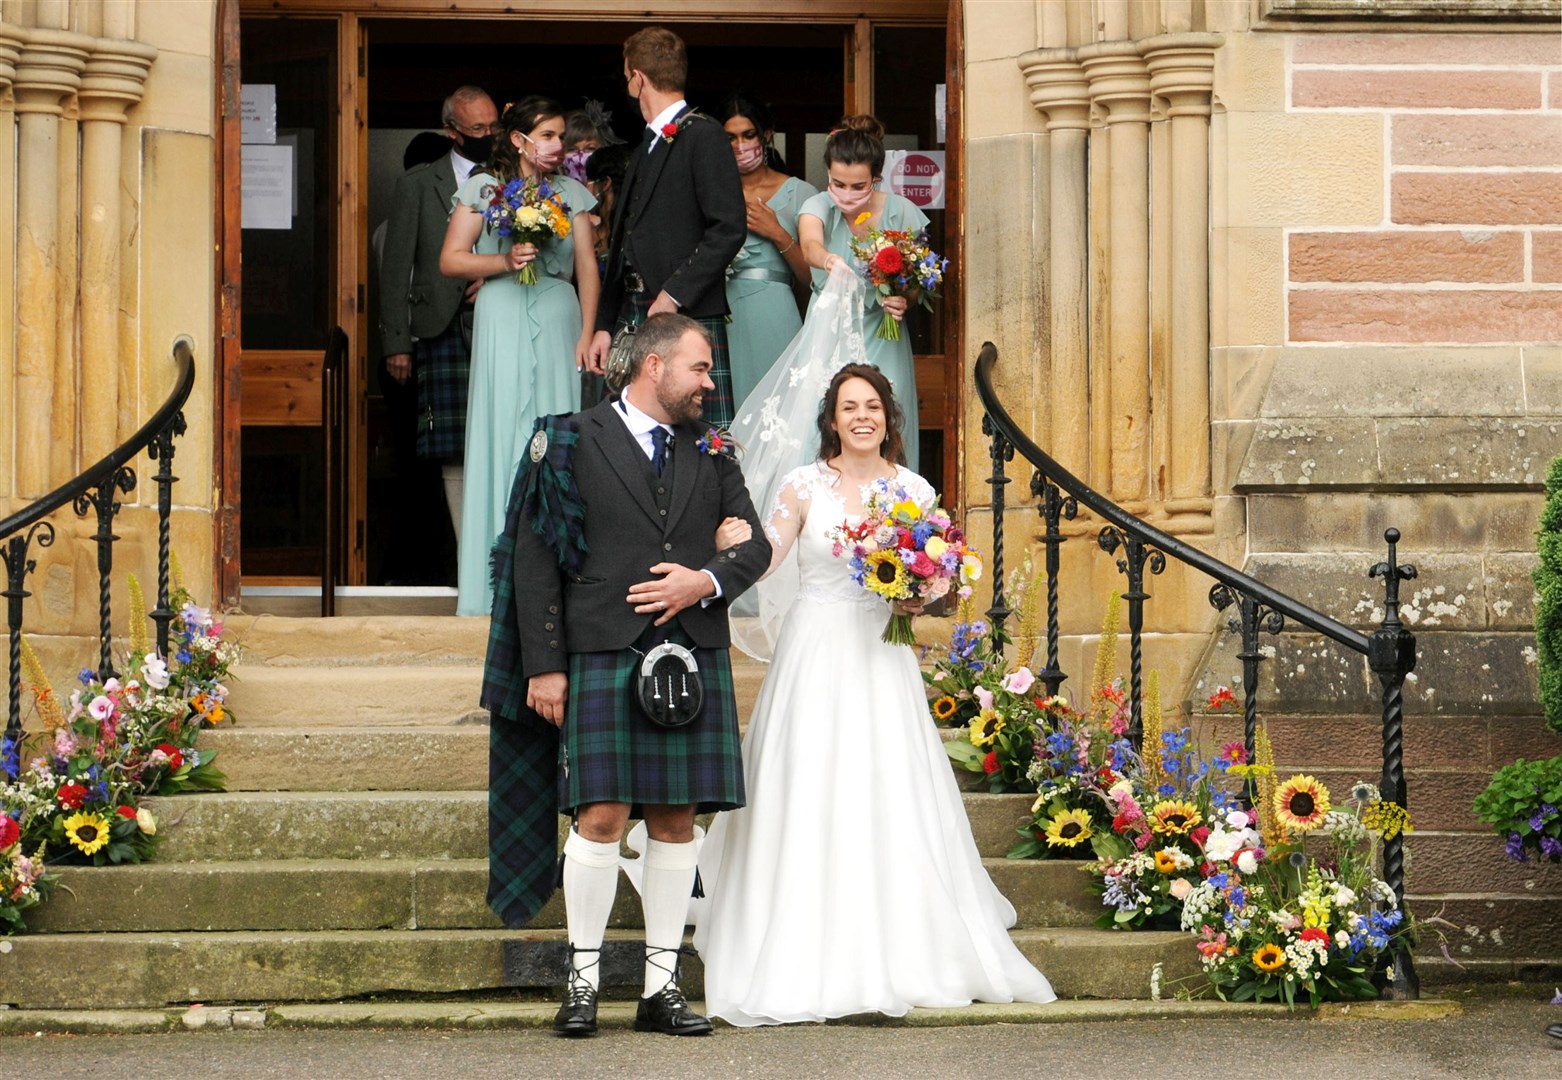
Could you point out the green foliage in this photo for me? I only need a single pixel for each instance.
(1522, 804)
(1548, 608)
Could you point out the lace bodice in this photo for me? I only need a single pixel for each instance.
(806, 508)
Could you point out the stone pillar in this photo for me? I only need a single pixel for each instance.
(1119, 84)
(1059, 91)
(12, 38)
(111, 83)
(48, 71)
(1182, 73)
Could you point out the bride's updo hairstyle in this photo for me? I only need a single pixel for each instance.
(859, 140)
(522, 116)
(892, 449)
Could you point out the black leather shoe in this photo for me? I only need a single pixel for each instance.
(577, 1017)
(1555, 1031)
(667, 1012)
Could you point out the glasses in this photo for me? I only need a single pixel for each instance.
(475, 129)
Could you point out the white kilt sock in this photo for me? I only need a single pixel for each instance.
(664, 896)
(590, 884)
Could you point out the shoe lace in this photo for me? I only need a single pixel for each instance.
(579, 991)
(669, 993)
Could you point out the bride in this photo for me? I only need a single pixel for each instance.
(851, 882)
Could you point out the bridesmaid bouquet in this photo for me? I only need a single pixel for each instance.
(900, 552)
(897, 263)
(528, 211)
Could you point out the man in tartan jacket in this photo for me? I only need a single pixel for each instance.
(583, 602)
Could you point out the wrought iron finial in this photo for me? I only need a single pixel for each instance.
(1392, 573)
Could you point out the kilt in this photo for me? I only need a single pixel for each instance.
(441, 365)
(720, 409)
(610, 752)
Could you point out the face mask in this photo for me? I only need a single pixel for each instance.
(475, 147)
(545, 156)
(851, 203)
(575, 164)
(750, 155)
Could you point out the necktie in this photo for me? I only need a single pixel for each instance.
(659, 437)
(647, 139)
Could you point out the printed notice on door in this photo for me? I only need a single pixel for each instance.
(268, 187)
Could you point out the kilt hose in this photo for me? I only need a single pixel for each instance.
(610, 751)
(442, 365)
(720, 409)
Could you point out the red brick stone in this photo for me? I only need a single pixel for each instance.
(1413, 317)
(1475, 862)
(1441, 800)
(1546, 256)
(1451, 49)
(1321, 88)
(1501, 139)
(1528, 737)
(1407, 256)
(1504, 928)
(1465, 198)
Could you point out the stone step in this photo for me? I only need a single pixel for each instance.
(401, 894)
(360, 640)
(147, 970)
(238, 825)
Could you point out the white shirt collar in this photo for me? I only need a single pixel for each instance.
(665, 117)
(639, 423)
(460, 166)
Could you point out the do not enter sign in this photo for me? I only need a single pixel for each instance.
(917, 176)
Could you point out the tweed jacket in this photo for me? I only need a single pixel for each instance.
(558, 613)
(416, 300)
(680, 221)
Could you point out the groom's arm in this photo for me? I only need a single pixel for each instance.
(736, 568)
(718, 194)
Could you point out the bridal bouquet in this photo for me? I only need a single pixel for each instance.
(896, 263)
(528, 211)
(901, 552)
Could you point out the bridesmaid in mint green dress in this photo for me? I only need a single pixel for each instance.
(854, 158)
(528, 341)
(770, 266)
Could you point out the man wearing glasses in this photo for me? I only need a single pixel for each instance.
(421, 323)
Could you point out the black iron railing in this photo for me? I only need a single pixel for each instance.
(97, 489)
(1258, 609)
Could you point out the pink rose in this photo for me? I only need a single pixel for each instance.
(1181, 887)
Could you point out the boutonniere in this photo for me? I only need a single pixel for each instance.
(716, 442)
(668, 131)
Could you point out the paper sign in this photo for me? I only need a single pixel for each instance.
(940, 112)
(258, 113)
(916, 175)
(267, 184)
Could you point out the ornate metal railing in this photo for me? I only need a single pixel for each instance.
(97, 489)
(1257, 609)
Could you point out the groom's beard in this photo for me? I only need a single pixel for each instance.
(682, 409)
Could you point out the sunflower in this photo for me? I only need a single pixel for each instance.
(1174, 816)
(985, 728)
(1301, 803)
(886, 575)
(1069, 829)
(945, 707)
(1166, 861)
(88, 832)
(1269, 958)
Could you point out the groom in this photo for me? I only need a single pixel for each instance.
(613, 524)
(680, 217)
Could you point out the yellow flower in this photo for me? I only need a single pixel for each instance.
(1301, 803)
(1269, 958)
(935, 547)
(945, 707)
(1165, 862)
(886, 575)
(906, 509)
(88, 832)
(1388, 819)
(985, 728)
(1174, 817)
(1069, 829)
(146, 822)
(864, 216)
(971, 568)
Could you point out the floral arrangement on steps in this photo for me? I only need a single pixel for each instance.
(1523, 803)
(110, 745)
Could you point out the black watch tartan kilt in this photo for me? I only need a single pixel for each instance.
(720, 409)
(610, 752)
(442, 371)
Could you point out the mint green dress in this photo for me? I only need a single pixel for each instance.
(523, 367)
(759, 292)
(893, 358)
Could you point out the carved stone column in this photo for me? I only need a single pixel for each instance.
(48, 71)
(111, 83)
(1120, 85)
(1182, 73)
(12, 38)
(1060, 92)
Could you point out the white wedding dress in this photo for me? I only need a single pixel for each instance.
(851, 882)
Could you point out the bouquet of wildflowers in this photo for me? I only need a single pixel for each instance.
(896, 263)
(901, 552)
(527, 211)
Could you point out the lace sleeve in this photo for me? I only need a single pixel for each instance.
(787, 513)
(917, 489)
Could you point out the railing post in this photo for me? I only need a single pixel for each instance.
(1136, 556)
(104, 502)
(1002, 452)
(1252, 617)
(161, 450)
(17, 567)
(1053, 508)
(1391, 654)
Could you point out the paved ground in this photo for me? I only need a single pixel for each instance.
(1497, 1035)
